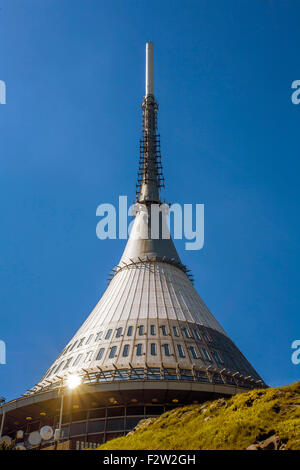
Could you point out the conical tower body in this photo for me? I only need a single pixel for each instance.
(151, 316)
(149, 344)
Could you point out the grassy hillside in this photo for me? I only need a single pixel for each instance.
(261, 418)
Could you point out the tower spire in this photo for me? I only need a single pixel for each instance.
(149, 88)
(150, 177)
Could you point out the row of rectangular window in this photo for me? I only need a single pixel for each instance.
(139, 352)
(141, 332)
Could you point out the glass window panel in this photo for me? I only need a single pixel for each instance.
(88, 356)
(153, 373)
(99, 335)
(152, 329)
(79, 415)
(72, 347)
(197, 335)
(80, 342)
(129, 331)
(175, 331)
(217, 378)
(112, 352)
(206, 354)
(100, 413)
(141, 329)
(180, 350)
(119, 332)
(89, 339)
(193, 352)
(68, 363)
(106, 376)
(153, 349)
(137, 374)
(100, 354)
(76, 429)
(116, 411)
(96, 426)
(122, 374)
(77, 359)
(163, 330)
(201, 376)
(186, 333)
(131, 423)
(65, 430)
(126, 350)
(135, 410)
(217, 357)
(116, 424)
(108, 334)
(59, 367)
(170, 374)
(139, 349)
(154, 410)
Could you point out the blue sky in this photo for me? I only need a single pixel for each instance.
(74, 71)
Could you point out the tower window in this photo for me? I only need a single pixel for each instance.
(139, 349)
(186, 332)
(129, 331)
(180, 350)
(80, 342)
(205, 354)
(89, 356)
(49, 373)
(68, 363)
(197, 335)
(77, 359)
(141, 330)
(108, 334)
(166, 349)
(163, 330)
(73, 346)
(112, 352)
(59, 367)
(217, 357)
(193, 352)
(99, 336)
(153, 349)
(152, 329)
(175, 331)
(89, 339)
(100, 354)
(126, 350)
(119, 332)
(207, 337)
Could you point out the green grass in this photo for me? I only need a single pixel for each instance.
(224, 424)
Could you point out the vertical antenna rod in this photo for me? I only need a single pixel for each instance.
(149, 70)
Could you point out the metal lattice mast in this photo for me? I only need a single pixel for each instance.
(150, 177)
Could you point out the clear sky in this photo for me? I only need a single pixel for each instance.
(74, 71)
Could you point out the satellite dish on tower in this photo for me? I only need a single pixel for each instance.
(46, 433)
(34, 438)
